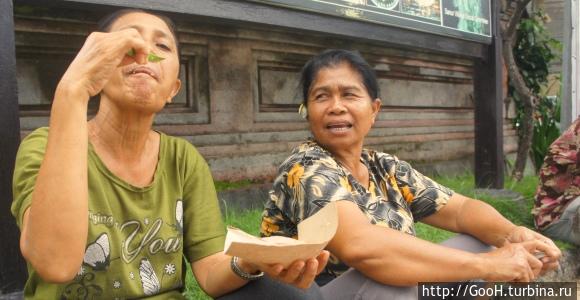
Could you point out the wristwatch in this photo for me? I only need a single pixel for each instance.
(242, 274)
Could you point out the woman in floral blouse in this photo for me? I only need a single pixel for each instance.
(375, 253)
(557, 206)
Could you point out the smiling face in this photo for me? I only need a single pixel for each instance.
(340, 110)
(146, 87)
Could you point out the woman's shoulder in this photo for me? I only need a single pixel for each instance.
(178, 144)
(388, 162)
(177, 151)
(310, 148)
(35, 139)
(380, 157)
(309, 153)
(38, 133)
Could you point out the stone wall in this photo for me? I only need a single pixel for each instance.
(239, 102)
(555, 10)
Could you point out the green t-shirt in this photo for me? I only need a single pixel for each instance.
(137, 236)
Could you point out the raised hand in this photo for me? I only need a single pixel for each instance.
(99, 57)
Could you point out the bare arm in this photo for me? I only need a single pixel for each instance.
(54, 227)
(391, 257)
(474, 217)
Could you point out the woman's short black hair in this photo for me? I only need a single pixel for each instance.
(332, 58)
(107, 21)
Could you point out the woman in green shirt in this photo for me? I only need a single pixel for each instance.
(108, 208)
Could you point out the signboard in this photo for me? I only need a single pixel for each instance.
(465, 19)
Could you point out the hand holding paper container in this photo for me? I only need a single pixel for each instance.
(314, 233)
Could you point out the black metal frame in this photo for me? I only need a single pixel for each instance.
(12, 267)
(488, 89)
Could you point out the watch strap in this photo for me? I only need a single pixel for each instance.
(238, 271)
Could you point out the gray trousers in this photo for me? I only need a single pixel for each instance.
(349, 286)
(567, 228)
(353, 285)
(266, 288)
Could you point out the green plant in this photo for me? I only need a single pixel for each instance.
(546, 129)
(534, 50)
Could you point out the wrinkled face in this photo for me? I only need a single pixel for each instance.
(146, 87)
(340, 110)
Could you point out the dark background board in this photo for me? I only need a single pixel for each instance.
(470, 22)
(12, 267)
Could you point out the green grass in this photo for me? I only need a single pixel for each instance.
(517, 212)
(465, 184)
(228, 185)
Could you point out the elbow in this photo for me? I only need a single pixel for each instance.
(355, 256)
(56, 269)
(362, 260)
(362, 257)
(56, 275)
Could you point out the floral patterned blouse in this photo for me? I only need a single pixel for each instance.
(559, 177)
(397, 195)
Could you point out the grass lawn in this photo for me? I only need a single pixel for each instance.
(517, 212)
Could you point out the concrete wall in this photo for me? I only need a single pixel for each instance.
(555, 10)
(239, 104)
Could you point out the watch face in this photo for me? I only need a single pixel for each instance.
(386, 4)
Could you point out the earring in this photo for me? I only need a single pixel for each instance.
(302, 111)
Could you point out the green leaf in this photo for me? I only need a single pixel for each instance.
(152, 57)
